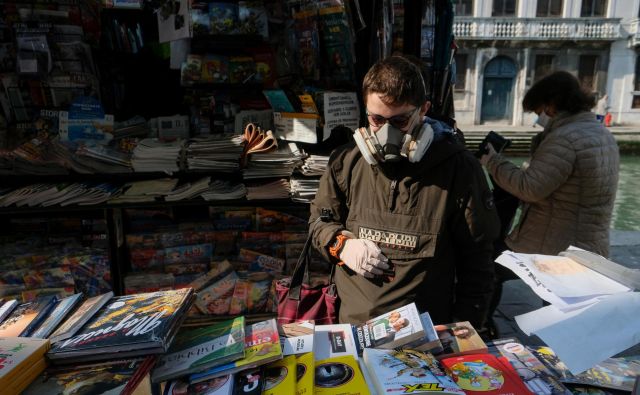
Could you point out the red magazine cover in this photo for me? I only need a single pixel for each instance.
(484, 374)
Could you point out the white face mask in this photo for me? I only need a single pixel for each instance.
(543, 119)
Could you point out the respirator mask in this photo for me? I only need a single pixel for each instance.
(390, 144)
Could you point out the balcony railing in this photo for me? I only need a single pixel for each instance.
(634, 32)
(591, 29)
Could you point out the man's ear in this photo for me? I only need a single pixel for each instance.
(425, 107)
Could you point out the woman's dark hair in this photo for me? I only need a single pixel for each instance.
(560, 89)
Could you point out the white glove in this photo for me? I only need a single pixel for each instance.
(364, 257)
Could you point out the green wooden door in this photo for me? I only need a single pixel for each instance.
(497, 90)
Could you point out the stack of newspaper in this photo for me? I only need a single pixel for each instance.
(145, 191)
(277, 163)
(314, 165)
(153, 155)
(224, 190)
(102, 159)
(215, 153)
(64, 194)
(278, 189)
(304, 189)
(189, 190)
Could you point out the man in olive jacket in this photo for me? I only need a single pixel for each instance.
(412, 215)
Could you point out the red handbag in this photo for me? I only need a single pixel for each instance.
(298, 300)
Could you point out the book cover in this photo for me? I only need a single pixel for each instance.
(407, 372)
(223, 17)
(108, 378)
(459, 338)
(249, 381)
(262, 346)
(56, 316)
(483, 374)
(339, 375)
(612, 373)
(127, 326)
(430, 342)
(535, 375)
(215, 68)
(6, 308)
(278, 100)
(280, 376)
(305, 373)
(22, 381)
(17, 354)
(195, 350)
(390, 330)
(297, 337)
(334, 341)
(26, 317)
(216, 298)
(223, 385)
(80, 317)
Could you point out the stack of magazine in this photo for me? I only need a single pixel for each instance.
(215, 153)
(153, 155)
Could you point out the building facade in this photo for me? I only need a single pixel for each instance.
(507, 45)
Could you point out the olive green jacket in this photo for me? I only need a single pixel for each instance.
(435, 221)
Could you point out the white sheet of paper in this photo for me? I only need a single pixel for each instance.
(340, 108)
(608, 327)
(535, 320)
(564, 290)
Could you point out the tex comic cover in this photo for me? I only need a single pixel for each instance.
(128, 325)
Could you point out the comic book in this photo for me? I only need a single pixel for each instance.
(26, 317)
(484, 374)
(261, 347)
(6, 308)
(80, 317)
(612, 373)
(280, 376)
(62, 309)
(17, 354)
(223, 385)
(195, 350)
(249, 381)
(218, 269)
(390, 330)
(430, 342)
(260, 262)
(305, 373)
(216, 298)
(129, 326)
(111, 377)
(538, 378)
(459, 338)
(339, 376)
(408, 372)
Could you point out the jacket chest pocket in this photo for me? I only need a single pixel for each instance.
(399, 236)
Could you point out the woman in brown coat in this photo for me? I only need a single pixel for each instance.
(568, 189)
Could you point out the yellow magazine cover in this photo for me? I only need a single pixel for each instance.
(305, 373)
(280, 376)
(340, 376)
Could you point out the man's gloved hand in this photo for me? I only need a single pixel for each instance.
(364, 257)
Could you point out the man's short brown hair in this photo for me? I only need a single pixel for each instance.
(398, 80)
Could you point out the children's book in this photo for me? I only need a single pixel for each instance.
(56, 316)
(6, 308)
(390, 330)
(612, 373)
(280, 376)
(262, 346)
(484, 374)
(26, 317)
(222, 385)
(17, 354)
(430, 342)
(216, 298)
(305, 373)
(339, 375)
(108, 378)
(195, 350)
(459, 338)
(128, 326)
(408, 372)
(80, 317)
(249, 381)
(297, 337)
(334, 341)
(533, 373)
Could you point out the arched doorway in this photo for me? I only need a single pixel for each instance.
(497, 89)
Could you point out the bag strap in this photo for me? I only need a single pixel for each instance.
(301, 272)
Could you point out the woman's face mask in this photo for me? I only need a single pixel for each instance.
(543, 119)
